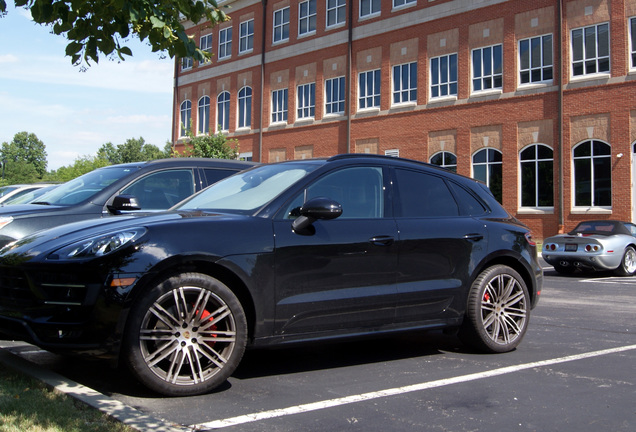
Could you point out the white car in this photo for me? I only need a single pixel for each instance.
(11, 192)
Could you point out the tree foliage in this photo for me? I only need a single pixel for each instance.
(24, 150)
(210, 146)
(103, 26)
(133, 150)
(80, 166)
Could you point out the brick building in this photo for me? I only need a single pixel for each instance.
(536, 98)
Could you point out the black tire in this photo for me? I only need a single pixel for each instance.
(628, 263)
(185, 336)
(497, 312)
(565, 270)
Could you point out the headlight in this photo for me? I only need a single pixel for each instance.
(5, 220)
(97, 246)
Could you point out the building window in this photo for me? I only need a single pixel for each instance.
(369, 7)
(487, 68)
(223, 111)
(535, 60)
(400, 3)
(445, 159)
(245, 107)
(632, 39)
(306, 101)
(590, 50)
(307, 17)
(335, 95)
(487, 167)
(536, 176)
(204, 115)
(281, 25)
(205, 44)
(186, 117)
(369, 89)
(246, 36)
(225, 43)
(279, 106)
(592, 174)
(405, 83)
(186, 63)
(336, 12)
(444, 76)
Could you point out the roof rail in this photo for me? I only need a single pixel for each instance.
(356, 155)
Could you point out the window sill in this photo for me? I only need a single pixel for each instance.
(535, 211)
(484, 93)
(442, 99)
(591, 210)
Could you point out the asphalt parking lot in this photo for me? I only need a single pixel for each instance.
(574, 371)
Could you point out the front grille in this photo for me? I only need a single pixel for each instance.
(14, 288)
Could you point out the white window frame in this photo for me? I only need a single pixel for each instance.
(246, 36)
(280, 106)
(244, 108)
(306, 101)
(488, 164)
(543, 67)
(284, 24)
(223, 111)
(203, 118)
(205, 44)
(225, 43)
(334, 88)
(185, 115)
(449, 166)
(371, 100)
(399, 4)
(307, 17)
(186, 63)
(535, 163)
(446, 81)
(337, 8)
(632, 43)
(484, 75)
(405, 92)
(369, 5)
(595, 58)
(593, 177)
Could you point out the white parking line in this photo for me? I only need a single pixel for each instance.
(298, 409)
(617, 280)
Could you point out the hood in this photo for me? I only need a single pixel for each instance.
(27, 209)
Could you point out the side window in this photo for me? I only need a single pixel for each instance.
(214, 175)
(423, 195)
(162, 190)
(360, 191)
(468, 204)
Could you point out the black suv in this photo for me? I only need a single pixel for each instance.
(116, 189)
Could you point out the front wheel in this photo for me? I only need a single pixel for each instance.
(628, 263)
(497, 312)
(186, 335)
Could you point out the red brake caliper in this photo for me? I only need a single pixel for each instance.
(205, 316)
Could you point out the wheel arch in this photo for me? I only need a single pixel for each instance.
(516, 264)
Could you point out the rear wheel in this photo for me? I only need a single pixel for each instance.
(186, 335)
(628, 263)
(497, 312)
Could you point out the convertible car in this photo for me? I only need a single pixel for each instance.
(594, 245)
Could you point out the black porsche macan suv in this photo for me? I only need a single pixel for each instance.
(297, 251)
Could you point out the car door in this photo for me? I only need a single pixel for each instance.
(438, 246)
(340, 275)
(162, 189)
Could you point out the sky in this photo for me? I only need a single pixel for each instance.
(72, 112)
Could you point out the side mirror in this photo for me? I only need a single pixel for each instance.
(122, 203)
(315, 209)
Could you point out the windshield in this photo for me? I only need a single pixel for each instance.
(83, 187)
(250, 190)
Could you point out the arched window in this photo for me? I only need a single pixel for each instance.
(445, 159)
(204, 115)
(592, 174)
(536, 171)
(487, 167)
(186, 117)
(223, 111)
(245, 107)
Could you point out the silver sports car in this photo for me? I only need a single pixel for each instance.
(594, 245)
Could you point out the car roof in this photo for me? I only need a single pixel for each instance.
(211, 162)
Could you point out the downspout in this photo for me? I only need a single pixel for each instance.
(561, 218)
(260, 119)
(349, 79)
(174, 102)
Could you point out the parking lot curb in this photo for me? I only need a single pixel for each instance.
(109, 406)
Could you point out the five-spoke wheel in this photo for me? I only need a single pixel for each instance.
(628, 263)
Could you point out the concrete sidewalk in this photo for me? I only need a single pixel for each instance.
(11, 356)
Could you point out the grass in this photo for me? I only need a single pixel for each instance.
(27, 405)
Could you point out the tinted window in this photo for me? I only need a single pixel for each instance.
(468, 204)
(214, 175)
(423, 195)
(162, 190)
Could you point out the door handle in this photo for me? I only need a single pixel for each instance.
(473, 237)
(382, 240)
